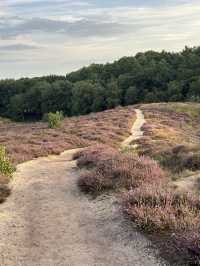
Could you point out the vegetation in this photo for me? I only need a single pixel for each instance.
(54, 119)
(110, 169)
(147, 197)
(26, 141)
(6, 170)
(6, 167)
(146, 77)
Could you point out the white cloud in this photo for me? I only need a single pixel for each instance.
(73, 37)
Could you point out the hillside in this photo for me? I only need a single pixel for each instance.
(153, 176)
(26, 141)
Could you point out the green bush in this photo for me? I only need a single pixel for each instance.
(54, 119)
(6, 167)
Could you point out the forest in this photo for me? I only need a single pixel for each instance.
(143, 78)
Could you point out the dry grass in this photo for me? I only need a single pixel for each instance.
(169, 125)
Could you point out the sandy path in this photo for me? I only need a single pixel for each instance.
(47, 221)
(136, 130)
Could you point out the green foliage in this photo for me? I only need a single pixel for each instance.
(6, 167)
(55, 119)
(146, 77)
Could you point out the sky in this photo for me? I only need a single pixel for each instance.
(42, 37)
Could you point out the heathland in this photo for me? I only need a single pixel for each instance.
(155, 179)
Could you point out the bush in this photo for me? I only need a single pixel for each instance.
(114, 170)
(54, 119)
(4, 192)
(192, 161)
(6, 167)
(179, 158)
(93, 155)
(148, 198)
(157, 208)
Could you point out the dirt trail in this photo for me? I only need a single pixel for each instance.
(136, 130)
(47, 221)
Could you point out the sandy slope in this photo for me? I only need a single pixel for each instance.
(47, 221)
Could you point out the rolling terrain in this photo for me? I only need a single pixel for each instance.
(142, 161)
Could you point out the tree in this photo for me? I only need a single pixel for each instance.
(113, 95)
(83, 94)
(57, 97)
(131, 96)
(174, 91)
(194, 91)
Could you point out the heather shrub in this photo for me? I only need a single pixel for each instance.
(6, 167)
(158, 208)
(192, 161)
(179, 158)
(91, 156)
(114, 170)
(54, 119)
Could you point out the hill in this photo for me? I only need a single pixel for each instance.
(146, 77)
(155, 177)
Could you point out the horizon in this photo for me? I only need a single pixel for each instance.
(67, 35)
(95, 63)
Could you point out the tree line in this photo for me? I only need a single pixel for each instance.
(146, 77)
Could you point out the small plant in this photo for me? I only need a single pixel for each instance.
(6, 167)
(54, 119)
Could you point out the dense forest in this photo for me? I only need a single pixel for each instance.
(146, 77)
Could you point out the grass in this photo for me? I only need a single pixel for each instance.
(192, 110)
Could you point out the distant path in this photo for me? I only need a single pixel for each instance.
(136, 130)
(47, 221)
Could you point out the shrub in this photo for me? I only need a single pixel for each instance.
(54, 119)
(179, 158)
(4, 193)
(157, 208)
(192, 161)
(114, 170)
(93, 155)
(6, 167)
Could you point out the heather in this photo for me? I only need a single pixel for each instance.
(147, 197)
(110, 169)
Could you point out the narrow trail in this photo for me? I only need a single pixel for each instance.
(47, 221)
(136, 130)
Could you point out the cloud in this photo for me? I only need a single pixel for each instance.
(18, 47)
(82, 28)
(90, 32)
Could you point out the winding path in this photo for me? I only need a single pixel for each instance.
(47, 221)
(136, 130)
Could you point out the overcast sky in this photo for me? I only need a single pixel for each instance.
(40, 37)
